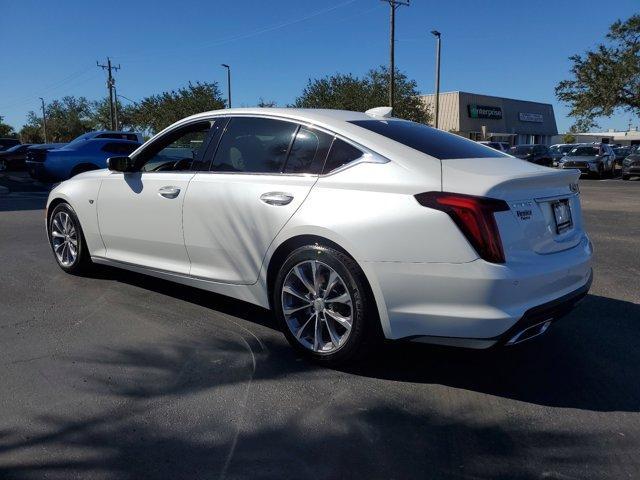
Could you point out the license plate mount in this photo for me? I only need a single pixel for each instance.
(562, 215)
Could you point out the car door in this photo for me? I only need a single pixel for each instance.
(140, 212)
(262, 171)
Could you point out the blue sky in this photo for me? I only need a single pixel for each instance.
(517, 49)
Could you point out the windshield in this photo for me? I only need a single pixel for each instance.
(521, 150)
(583, 152)
(425, 139)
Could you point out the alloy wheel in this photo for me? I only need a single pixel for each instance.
(317, 306)
(64, 238)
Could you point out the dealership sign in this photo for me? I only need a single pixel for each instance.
(531, 117)
(483, 111)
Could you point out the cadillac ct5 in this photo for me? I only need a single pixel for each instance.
(352, 227)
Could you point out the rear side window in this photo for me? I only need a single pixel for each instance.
(254, 145)
(120, 148)
(341, 153)
(122, 136)
(433, 142)
(308, 152)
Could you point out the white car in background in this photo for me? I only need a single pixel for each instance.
(351, 226)
(500, 146)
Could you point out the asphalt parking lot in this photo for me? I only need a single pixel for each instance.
(124, 376)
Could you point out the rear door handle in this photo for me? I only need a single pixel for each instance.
(276, 198)
(169, 192)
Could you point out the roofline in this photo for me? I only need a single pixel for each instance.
(491, 96)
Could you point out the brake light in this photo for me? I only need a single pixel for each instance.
(474, 217)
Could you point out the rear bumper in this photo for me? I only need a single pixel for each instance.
(39, 171)
(476, 303)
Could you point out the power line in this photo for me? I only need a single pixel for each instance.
(111, 85)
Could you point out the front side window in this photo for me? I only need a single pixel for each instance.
(178, 150)
(308, 152)
(425, 139)
(254, 145)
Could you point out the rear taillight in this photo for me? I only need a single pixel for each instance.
(474, 217)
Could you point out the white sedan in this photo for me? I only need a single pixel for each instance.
(352, 227)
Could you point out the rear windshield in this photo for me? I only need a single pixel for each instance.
(584, 152)
(425, 139)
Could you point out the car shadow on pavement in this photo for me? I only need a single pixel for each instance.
(589, 360)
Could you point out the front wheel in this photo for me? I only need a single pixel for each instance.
(323, 306)
(67, 240)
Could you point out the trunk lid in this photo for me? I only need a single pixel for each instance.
(544, 216)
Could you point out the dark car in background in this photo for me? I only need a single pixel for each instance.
(631, 164)
(558, 151)
(534, 153)
(37, 154)
(13, 158)
(6, 143)
(593, 159)
(54, 165)
(621, 152)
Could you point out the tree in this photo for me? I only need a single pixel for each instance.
(5, 129)
(568, 138)
(348, 92)
(100, 115)
(67, 118)
(606, 78)
(159, 111)
(262, 103)
(31, 133)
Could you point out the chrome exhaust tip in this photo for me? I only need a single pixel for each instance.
(529, 332)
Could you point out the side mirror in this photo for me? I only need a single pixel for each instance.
(120, 164)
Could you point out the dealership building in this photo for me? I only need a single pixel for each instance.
(499, 119)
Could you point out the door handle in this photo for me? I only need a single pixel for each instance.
(276, 198)
(169, 192)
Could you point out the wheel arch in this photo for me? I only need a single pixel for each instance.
(83, 167)
(290, 244)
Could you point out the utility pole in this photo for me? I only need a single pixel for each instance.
(115, 106)
(111, 86)
(228, 83)
(394, 4)
(44, 120)
(436, 34)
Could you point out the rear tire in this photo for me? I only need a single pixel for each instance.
(67, 240)
(626, 177)
(323, 306)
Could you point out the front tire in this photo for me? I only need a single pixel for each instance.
(67, 240)
(323, 306)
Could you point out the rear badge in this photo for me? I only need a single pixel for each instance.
(523, 214)
(523, 210)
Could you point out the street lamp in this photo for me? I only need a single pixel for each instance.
(44, 120)
(228, 83)
(436, 34)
